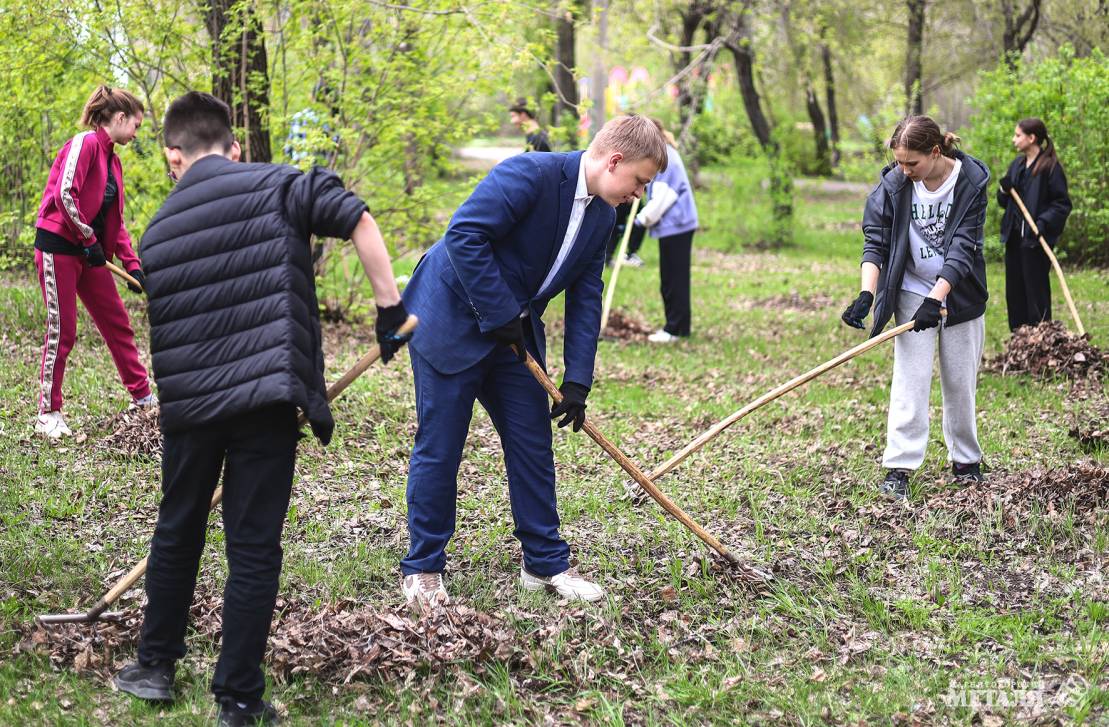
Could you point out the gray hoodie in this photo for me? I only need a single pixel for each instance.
(886, 241)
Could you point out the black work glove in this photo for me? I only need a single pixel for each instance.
(94, 253)
(855, 313)
(1006, 185)
(927, 315)
(389, 319)
(512, 334)
(572, 406)
(137, 275)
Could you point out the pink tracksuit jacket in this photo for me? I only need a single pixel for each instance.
(75, 192)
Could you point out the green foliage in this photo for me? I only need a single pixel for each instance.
(1068, 92)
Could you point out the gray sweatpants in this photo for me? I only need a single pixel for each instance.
(913, 353)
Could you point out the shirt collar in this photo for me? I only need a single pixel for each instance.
(582, 190)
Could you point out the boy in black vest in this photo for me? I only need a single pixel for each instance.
(235, 342)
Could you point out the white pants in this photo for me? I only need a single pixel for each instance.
(913, 354)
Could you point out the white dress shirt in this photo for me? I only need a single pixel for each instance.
(582, 198)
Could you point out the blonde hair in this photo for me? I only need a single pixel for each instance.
(105, 102)
(636, 137)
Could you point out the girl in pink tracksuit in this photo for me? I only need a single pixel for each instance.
(79, 228)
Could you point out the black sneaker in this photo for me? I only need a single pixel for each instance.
(152, 683)
(240, 714)
(967, 473)
(896, 485)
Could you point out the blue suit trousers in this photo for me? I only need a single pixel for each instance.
(518, 408)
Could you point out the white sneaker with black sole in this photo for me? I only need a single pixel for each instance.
(567, 584)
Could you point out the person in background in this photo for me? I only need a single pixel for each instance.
(79, 229)
(1037, 176)
(923, 230)
(523, 119)
(635, 240)
(671, 216)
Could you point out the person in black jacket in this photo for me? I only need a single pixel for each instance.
(1038, 178)
(523, 118)
(235, 342)
(924, 232)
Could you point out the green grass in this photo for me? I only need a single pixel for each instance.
(873, 615)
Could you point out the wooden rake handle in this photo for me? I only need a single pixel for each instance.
(123, 275)
(715, 430)
(124, 584)
(617, 263)
(630, 467)
(1054, 261)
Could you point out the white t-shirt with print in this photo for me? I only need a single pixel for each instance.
(926, 228)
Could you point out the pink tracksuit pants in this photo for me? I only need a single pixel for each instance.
(63, 279)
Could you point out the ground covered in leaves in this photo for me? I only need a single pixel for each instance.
(969, 604)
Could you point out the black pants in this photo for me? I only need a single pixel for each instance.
(674, 259)
(637, 234)
(256, 452)
(1027, 284)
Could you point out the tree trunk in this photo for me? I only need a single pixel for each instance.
(914, 63)
(566, 91)
(690, 98)
(600, 70)
(240, 73)
(819, 129)
(830, 100)
(781, 180)
(1018, 29)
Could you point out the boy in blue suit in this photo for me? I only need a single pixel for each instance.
(531, 229)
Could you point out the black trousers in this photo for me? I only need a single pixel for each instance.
(635, 241)
(256, 452)
(674, 260)
(1027, 284)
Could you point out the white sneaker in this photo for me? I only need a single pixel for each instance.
(147, 402)
(567, 584)
(661, 336)
(425, 591)
(52, 425)
(633, 261)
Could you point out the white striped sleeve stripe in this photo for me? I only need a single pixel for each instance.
(53, 332)
(67, 184)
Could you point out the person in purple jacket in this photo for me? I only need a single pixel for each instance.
(671, 216)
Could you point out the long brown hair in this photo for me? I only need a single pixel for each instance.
(105, 102)
(922, 134)
(1046, 159)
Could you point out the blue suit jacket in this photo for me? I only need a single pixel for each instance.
(496, 253)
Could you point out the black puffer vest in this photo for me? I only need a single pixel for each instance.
(234, 320)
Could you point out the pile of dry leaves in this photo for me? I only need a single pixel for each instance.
(1083, 486)
(1048, 350)
(623, 327)
(133, 433)
(333, 643)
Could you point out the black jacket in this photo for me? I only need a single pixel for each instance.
(234, 321)
(886, 241)
(1045, 196)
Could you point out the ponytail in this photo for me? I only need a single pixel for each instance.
(105, 102)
